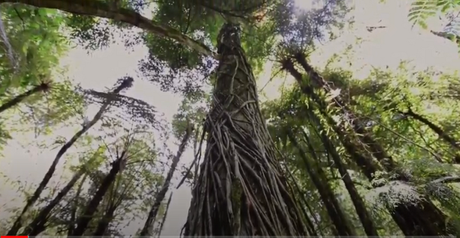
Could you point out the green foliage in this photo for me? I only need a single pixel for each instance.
(190, 111)
(47, 111)
(37, 42)
(35, 35)
(422, 10)
(380, 101)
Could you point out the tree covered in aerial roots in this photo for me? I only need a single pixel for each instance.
(241, 189)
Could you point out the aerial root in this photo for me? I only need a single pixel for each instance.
(238, 188)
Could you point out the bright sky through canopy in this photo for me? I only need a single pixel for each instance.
(380, 48)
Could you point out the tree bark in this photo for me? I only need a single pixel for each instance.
(241, 189)
(49, 174)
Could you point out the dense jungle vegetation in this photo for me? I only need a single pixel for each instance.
(327, 152)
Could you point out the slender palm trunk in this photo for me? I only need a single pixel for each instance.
(439, 131)
(163, 220)
(104, 222)
(241, 189)
(74, 206)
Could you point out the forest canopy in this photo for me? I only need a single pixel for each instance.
(284, 126)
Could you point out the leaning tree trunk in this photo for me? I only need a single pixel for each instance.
(147, 230)
(38, 224)
(357, 200)
(420, 218)
(439, 131)
(91, 207)
(104, 222)
(241, 189)
(163, 220)
(343, 226)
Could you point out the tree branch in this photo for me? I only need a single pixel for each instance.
(100, 9)
(18, 99)
(438, 130)
(447, 179)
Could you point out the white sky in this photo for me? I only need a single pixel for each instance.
(382, 47)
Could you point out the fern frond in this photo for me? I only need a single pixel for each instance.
(422, 9)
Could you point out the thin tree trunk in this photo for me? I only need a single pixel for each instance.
(241, 189)
(40, 220)
(358, 202)
(164, 216)
(319, 179)
(36, 195)
(422, 218)
(303, 203)
(73, 211)
(104, 222)
(18, 99)
(112, 204)
(147, 230)
(91, 207)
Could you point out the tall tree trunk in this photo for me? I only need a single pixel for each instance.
(421, 218)
(49, 174)
(241, 189)
(74, 206)
(91, 207)
(336, 214)
(358, 202)
(147, 230)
